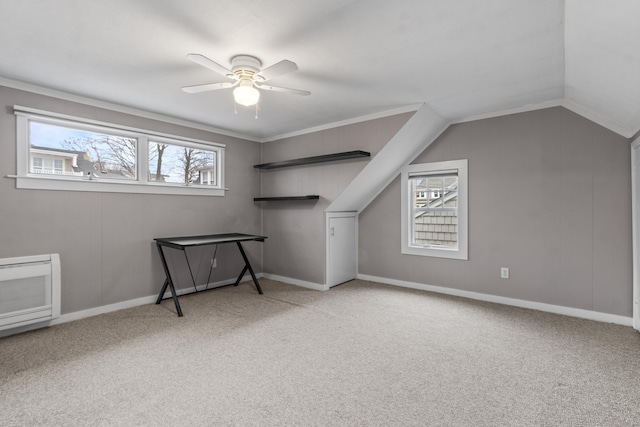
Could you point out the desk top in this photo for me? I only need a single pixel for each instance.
(211, 239)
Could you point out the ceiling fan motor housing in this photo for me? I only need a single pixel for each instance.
(245, 66)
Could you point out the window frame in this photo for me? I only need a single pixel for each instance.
(435, 168)
(141, 185)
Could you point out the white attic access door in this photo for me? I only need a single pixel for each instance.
(341, 247)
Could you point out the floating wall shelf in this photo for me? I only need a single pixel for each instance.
(278, 199)
(315, 159)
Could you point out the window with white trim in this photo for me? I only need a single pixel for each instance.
(181, 164)
(68, 153)
(434, 209)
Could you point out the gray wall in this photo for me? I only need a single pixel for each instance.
(549, 197)
(105, 239)
(296, 244)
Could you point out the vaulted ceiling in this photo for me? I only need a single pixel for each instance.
(464, 58)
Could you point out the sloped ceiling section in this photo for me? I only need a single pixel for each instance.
(602, 62)
(417, 134)
(500, 56)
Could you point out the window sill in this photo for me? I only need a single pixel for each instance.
(105, 186)
(437, 253)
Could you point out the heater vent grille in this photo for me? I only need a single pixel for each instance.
(29, 290)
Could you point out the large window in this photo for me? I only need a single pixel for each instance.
(434, 209)
(67, 153)
(71, 149)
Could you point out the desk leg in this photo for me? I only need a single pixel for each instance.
(244, 270)
(168, 282)
(247, 266)
(162, 291)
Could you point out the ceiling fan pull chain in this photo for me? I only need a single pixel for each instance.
(256, 112)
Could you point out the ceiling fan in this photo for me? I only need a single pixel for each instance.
(248, 75)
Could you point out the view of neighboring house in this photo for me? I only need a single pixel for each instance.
(54, 161)
(206, 175)
(58, 161)
(435, 211)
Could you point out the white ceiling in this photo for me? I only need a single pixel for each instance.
(465, 58)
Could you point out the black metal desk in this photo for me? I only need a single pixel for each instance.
(181, 243)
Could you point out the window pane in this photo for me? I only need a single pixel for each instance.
(434, 221)
(451, 182)
(178, 164)
(451, 199)
(434, 187)
(435, 228)
(75, 152)
(434, 192)
(419, 192)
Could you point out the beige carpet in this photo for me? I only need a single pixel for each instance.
(360, 354)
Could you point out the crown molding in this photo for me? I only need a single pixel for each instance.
(67, 96)
(508, 111)
(365, 118)
(598, 118)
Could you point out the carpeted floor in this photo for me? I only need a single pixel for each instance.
(361, 354)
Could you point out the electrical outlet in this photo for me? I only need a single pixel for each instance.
(504, 272)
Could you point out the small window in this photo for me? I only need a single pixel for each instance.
(184, 164)
(434, 209)
(37, 165)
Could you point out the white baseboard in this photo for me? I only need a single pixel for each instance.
(557, 309)
(297, 282)
(549, 308)
(190, 290)
(82, 314)
(69, 317)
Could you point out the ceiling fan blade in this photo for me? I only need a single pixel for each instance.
(208, 86)
(283, 89)
(278, 69)
(206, 62)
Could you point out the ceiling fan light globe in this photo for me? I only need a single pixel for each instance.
(245, 94)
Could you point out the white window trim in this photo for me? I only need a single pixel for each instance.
(27, 180)
(462, 251)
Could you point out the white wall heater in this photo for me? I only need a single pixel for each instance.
(29, 290)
